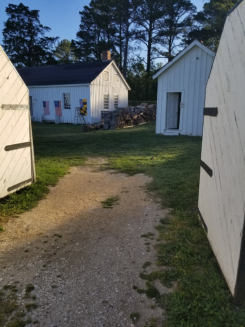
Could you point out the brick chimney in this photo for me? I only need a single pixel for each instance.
(106, 55)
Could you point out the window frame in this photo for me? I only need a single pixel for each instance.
(116, 75)
(64, 104)
(106, 71)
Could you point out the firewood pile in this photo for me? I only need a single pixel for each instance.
(128, 116)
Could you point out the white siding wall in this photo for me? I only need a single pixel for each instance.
(189, 76)
(16, 165)
(222, 197)
(99, 88)
(55, 93)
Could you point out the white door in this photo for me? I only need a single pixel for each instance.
(16, 170)
(172, 110)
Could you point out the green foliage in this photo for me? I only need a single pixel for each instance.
(177, 18)
(24, 37)
(135, 316)
(210, 22)
(152, 322)
(30, 306)
(143, 87)
(97, 30)
(202, 298)
(8, 307)
(160, 24)
(110, 202)
(146, 264)
(64, 52)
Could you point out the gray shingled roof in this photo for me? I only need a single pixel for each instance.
(78, 73)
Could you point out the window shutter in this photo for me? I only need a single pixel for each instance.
(106, 76)
(115, 101)
(106, 101)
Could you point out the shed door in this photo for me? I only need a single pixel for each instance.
(16, 169)
(173, 101)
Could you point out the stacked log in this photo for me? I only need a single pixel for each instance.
(128, 116)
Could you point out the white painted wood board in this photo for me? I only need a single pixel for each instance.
(222, 196)
(94, 93)
(17, 168)
(188, 76)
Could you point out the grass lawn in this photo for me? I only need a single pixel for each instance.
(202, 298)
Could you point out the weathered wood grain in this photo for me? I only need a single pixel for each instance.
(188, 75)
(17, 165)
(222, 197)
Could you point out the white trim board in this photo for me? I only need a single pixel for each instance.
(120, 74)
(181, 54)
(62, 85)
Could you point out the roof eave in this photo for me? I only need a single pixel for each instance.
(181, 54)
(122, 77)
(112, 62)
(58, 85)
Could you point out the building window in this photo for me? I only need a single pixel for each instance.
(116, 78)
(115, 101)
(67, 100)
(106, 76)
(106, 101)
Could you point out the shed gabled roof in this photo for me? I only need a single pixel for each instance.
(182, 53)
(78, 73)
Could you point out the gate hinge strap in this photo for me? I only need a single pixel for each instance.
(17, 146)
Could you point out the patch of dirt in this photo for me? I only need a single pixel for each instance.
(83, 259)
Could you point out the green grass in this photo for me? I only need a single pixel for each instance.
(110, 202)
(135, 316)
(202, 298)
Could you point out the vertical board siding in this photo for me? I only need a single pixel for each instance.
(16, 166)
(222, 198)
(189, 76)
(99, 87)
(94, 93)
(55, 93)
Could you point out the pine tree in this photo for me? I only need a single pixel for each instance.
(210, 22)
(177, 17)
(96, 32)
(148, 16)
(64, 52)
(24, 37)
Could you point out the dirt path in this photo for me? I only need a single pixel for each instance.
(83, 259)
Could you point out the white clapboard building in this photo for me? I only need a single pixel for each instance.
(17, 168)
(181, 91)
(222, 180)
(59, 89)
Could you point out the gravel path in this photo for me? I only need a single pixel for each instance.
(83, 259)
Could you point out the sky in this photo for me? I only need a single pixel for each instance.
(62, 16)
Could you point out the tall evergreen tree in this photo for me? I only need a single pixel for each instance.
(97, 31)
(125, 18)
(210, 22)
(24, 37)
(64, 52)
(148, 16)
(178, 15)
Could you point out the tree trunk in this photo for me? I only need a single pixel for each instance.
(149, 46)
(125, 63)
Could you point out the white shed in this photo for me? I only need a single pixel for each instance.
(17, 168)
(222, 177)
(181, 91)
(59, 89)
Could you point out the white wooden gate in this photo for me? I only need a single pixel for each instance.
(17, 168)
(222, 179)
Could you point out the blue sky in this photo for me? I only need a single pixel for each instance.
(62, 16)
